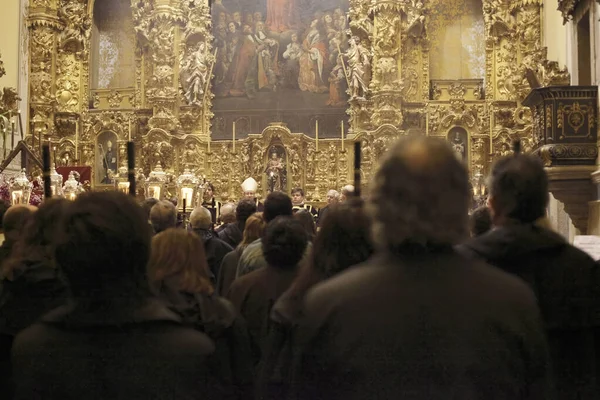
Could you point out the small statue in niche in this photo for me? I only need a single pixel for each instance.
(416, 19)
(193, 74)
(276, 173)
(458, 145)
(359, 66)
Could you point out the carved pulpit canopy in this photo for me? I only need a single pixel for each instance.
(568, 7)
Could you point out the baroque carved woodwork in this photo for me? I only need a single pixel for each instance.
(169, 101)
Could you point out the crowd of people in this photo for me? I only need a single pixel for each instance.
(398, 295)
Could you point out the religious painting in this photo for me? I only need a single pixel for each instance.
(459, 140)
(276, 169)
(107, 158)
(278, 61)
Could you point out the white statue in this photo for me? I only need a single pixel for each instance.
(359, 68)
(194, 74)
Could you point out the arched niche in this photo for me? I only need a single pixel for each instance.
(457, 32)
(458, 137)
(112, 56)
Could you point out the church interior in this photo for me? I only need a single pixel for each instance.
(281, 91)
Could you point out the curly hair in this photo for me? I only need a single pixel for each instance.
(420, 197)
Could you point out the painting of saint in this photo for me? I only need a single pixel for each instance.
(107, 155)
(278, 61)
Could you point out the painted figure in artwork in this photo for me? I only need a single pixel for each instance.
(279, 15)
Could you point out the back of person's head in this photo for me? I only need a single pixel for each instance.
(244, 209)
(277, 204)
(38, 235)
(518, 189)
(178, 259)
(227, 214)
(284, 242)
(4, 206)
(104, 246)
(344, 239)
(306, 219)
(201, 218)
(163, 216)
(425, 209)
(480, 221)
(147, 205)
(254, 229)
(15, 219)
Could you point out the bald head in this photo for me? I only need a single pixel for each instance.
(201, 218)
(428, 205)
(15, 219)
(163, 216)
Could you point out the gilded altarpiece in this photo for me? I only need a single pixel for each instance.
(384, 61)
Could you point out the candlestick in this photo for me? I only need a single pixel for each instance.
(343, 146)
(12, 135)
(76, 140)
(131, 168)
(357, 165)
(317, 135)
(234, 136)
(129, 130)
(21, 126)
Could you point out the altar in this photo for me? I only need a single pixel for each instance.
(277, 91)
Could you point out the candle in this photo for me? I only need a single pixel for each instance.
(234, 136)
(76, 140)
(427, 121)
(21, 125)
(317, 135)
(129, 130)
(342, 135)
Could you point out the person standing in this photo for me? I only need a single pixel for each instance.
(249, 188)
(565, 279)
(419, 320)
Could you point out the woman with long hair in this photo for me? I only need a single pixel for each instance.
(253, 230)
(30, 284)
(178, 273)
(342, 242)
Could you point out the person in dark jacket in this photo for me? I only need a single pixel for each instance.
(254, 229)
(343, 241)
(31, 284)
(179, 274)
(232, 233)
(114, 340)
(480, 221)
(418, 320)
(215, 248)
(13, 223)
(254, 294)
(565, 280)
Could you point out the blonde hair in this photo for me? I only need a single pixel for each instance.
(255, 227)
(178, 256)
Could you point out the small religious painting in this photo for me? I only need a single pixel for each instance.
(459, 140)
(276, 170)
(107, 158)
(279, 61)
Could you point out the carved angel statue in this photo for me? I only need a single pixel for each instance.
(359, 68)
(194, 73)
(415, 19)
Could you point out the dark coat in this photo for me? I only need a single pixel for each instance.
(231, 234)
(566, 282)
(232, 361)
(145, 353)
(228, 271)
(35, 289)
(215, 250)
(428, 326)
(254, 294)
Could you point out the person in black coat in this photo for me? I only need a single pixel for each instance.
(215, 248)
(31, 283)
(419, 321)
(232, 233)
(114, 340)
(254, 294)
(565, 280)
(179, 274)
